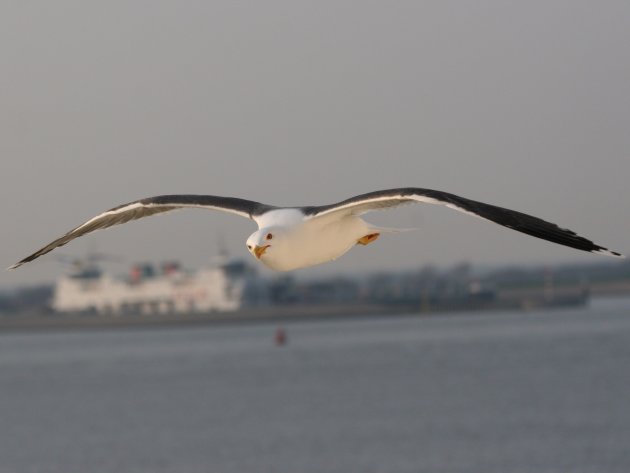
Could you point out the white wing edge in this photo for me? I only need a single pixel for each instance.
(76, 232)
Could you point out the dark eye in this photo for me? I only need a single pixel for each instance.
(269, 236)
(249, 247)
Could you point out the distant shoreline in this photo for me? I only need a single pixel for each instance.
(46, 321)
(51, 321)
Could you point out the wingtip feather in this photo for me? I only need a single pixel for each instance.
(614, 254)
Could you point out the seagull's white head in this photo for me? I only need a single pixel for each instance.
(265, 243)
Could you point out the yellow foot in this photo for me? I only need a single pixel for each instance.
(367, 239)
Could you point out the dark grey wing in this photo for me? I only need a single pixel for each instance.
(508, 218)
(151, 206)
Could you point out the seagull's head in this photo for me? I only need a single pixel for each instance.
(263, 243)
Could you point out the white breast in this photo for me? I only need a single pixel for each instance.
(314, 242)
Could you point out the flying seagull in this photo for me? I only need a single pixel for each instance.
(289, 238)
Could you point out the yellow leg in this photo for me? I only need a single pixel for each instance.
(367, 239)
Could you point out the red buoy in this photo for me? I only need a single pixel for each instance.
(281, 337)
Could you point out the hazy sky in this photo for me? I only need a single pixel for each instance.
(521, 104)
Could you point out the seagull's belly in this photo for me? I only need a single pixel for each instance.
(310, 245)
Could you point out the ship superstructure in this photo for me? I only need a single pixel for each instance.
(170, 289)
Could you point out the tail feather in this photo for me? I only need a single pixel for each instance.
(376, 228)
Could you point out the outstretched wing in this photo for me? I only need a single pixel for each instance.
(151, 206)
(508, 218)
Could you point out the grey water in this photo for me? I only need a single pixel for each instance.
(519, 392)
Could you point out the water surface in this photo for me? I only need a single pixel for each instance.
(543, 392)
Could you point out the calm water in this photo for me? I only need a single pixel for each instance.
(536, 392)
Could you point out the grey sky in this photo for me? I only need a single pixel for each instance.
(521, 104)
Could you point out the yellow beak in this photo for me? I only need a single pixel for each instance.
(260, 250)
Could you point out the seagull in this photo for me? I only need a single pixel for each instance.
(289, 238)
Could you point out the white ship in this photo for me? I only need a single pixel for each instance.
(170, 289)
